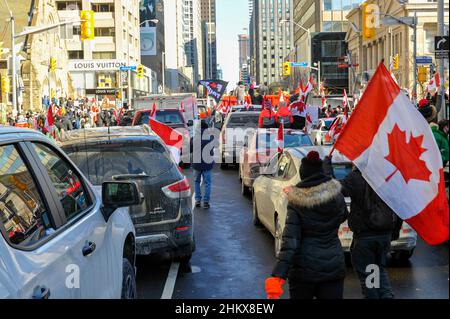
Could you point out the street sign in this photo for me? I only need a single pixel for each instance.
(385, 21)
(128, 68)
(424, 60)
(299, 64)
(441, 47)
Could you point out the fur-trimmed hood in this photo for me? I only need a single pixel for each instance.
(315, 195)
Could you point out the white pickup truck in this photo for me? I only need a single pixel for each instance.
(60, 237)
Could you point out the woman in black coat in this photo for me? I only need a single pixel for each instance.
(311, 255)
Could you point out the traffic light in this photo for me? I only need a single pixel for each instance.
(369, 20)
(52, 64)
(140, 71)
(395, 63)
(286, 68)
(422, 74)
(87, 25)
(5, 84)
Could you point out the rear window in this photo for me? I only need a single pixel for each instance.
(242, 120)
(328, 124)
(342, 170)
(101, 161)
(166, 117)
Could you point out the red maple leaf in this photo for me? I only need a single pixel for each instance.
(405, 156)
(213, 85)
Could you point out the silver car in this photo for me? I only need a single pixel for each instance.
(270, 202)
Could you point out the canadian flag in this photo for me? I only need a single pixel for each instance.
(153, 112)
(345, 104)
(305, 90)
(336, 128)
(281, 96)
(435, 83)
(50, 121)
(392, 145)
(280, 138)
(182, 107)
(172, 138)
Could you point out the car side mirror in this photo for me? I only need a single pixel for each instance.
(119, 194)
(190, 123)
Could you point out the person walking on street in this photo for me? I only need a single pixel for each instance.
(311, 255)
(203, 164)
(374, 226)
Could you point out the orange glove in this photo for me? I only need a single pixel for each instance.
(274, 287)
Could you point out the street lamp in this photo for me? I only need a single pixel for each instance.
(308, 31)
(13, 60)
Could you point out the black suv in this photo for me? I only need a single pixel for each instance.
(164, 222)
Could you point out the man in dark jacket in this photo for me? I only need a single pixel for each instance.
(203, 163)
(373, 224)
(311, 254)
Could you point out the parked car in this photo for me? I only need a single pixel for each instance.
(237, 127)
(260, 147)
(320, 130)
(164, 222)
(61, 237)
(270, 201)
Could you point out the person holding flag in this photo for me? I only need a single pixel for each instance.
(393, 148)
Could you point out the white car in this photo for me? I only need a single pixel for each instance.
(60, 237)
(270, 202)
(320, 130)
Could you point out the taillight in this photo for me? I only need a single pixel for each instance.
(180, 189)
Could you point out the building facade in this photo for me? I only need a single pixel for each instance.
(208, 16)
(396, 39)
(244, 57)
(36, 82)
(95, 65)
(271, 30)
(192, 37)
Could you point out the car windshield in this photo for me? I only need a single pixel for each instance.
(269, 141)
(101, 161)
(166, 117)
(342, 170)
(243, 120)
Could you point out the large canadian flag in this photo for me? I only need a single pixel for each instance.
(172, 138)
(392, 145)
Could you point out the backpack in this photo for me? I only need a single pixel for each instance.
(380, 217)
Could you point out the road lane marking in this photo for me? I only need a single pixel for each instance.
(170, 281)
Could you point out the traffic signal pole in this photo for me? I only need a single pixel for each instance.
(443, 112)
(415, 59)
(13, 66)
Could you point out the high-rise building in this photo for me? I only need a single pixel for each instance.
(208, 9)
(95, 65)
(272, 38)
(328, 17)
(192, 36)
(151, 18)
(244, 57)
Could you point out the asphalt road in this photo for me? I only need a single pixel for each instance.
(234, 258)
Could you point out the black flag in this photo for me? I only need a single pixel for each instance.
(216, 88)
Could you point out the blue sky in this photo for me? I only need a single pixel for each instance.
(232, 18)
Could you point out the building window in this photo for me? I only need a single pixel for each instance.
(103, 7)
(103, 55)
(327, 26)
(76, 55)
(331, 48)
(106, 80)
(327, 5)
(105, 32)
(77, 30)
(69, 5)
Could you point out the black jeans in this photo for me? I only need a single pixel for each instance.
(321, 290)
(369, 255)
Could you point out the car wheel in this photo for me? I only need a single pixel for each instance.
(128, 281)
(278, 237)
(255, 218)
(184, 255)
